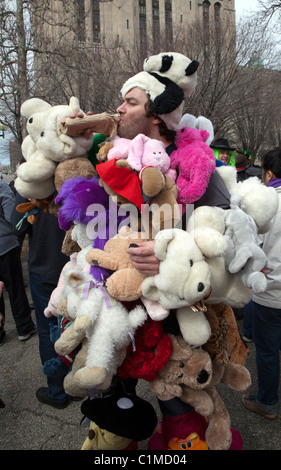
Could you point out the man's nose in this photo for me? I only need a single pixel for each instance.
(121, 108)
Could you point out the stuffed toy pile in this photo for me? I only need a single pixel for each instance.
(111, 319)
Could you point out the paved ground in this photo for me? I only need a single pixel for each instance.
(26, 424)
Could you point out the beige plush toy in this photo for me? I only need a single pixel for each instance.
(124, 283)
(186, 375)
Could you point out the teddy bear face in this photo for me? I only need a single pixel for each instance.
(192, 273)
(187, 366)
(184, 275)
(155, 155)
(186, 136)
(44, 129)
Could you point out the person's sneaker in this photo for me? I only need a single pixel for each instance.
(42, 396)
(248, 338)
(249, 401)
(28, 335)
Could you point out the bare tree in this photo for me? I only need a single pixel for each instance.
(47, 52)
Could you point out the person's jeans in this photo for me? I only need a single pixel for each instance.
(267, 338)
(12, 276)
(248, 319)
(41, 292)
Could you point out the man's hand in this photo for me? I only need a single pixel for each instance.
(144, 259)
(88, 133)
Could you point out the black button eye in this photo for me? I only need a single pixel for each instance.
(181, 364)
(30, 120)
(42, 134)
(191, 262)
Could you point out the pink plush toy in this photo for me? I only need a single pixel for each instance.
(140, 152)
(195, 163)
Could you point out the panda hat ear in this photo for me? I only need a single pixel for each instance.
(167, 78)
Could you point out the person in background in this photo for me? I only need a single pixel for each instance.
(44, 265)
(223, 152)
(11, 274)
(267, 307)
(244, 167)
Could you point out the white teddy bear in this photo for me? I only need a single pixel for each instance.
(253, 206)
(193, 273)
(45, 146)
(108, 326)
(184, 279)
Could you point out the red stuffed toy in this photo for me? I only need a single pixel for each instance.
(148, 353)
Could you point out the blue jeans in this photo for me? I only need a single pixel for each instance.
(41, 292)
(267, 337)
(248, 319)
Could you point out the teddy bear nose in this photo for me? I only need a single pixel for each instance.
(202, 376)
(200, 287)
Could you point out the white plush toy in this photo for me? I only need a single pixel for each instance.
(252, 196)
(183, 280)
(45, 146)
(107, 324)
(248, 258)
(253, 206)
(193, 272)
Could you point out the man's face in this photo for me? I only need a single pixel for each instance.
(133, 115)
(224, 156)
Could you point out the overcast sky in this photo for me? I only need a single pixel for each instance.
(244, 6)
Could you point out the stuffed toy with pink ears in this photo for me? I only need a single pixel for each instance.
(194, 162)
(140, 152)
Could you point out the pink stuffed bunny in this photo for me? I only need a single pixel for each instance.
(195, 163)
(140, 152)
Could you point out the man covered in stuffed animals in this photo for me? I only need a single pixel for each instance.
(152, 105)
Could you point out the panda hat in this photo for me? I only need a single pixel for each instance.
(167, 78)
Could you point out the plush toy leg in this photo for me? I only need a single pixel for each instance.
(93, 377)
(218, 433)
(194, 326)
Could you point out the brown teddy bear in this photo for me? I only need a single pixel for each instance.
(185, 376)
(225, 342)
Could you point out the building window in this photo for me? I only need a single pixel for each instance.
(206, 26)
(143, 31)
(168, 24)
(96, 20)
(81, 20)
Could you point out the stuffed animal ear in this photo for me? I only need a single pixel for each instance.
(181, 351)
(32, 106)
(210, 242)
(149, 290)
(135, 152)
(73, 278)
(162, 240)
